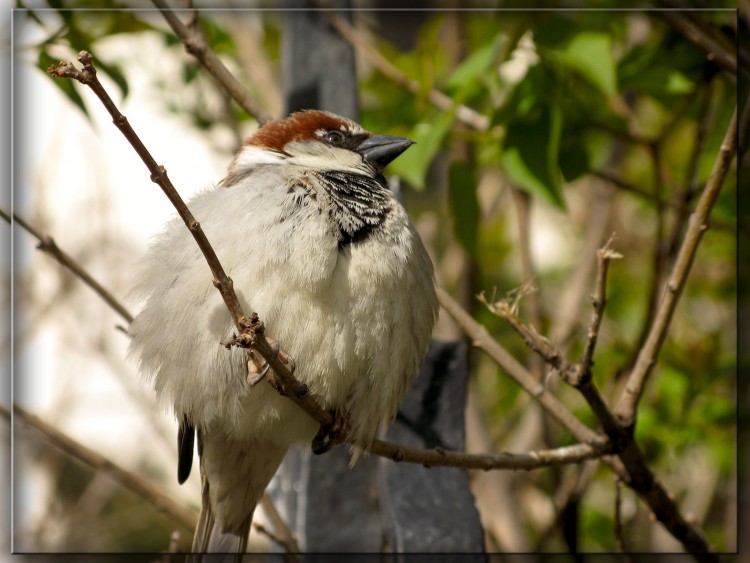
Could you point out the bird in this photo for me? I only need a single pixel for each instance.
(317, 245)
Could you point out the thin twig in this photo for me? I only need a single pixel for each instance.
(47, 244)
(464, 114)
(261, 529)
(284, 535)
(482, 339)
(195, 44)
(690, 188)
(599, 301)
(627, 404)
(566, 314)
(527, 461)
(523, 213)
(716, 51)
(135, 483)
(630, 464)
(571, 373)
(619, 537)
(619, 183)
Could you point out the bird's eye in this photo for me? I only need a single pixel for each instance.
(335, 137)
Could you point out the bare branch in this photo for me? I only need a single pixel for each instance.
(261, 529)
(630, 464)
(283, 535)
(715, 50)
(523, 213)
(627, 404)
(572, 374)
(47, 244)
(619, 539)
(251, 329)
(135, 483)
(482, 339)
(195, 44)
(532, 460)
(621, 184)
(159, 176)
(599, 299)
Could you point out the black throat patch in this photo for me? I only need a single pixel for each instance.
(359, 203)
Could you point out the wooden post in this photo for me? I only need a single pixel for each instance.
(379, 504)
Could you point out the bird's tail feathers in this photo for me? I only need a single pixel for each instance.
(210, 538)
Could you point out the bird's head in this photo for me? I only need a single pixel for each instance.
(320, 140)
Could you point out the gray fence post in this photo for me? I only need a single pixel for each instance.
(378, 505)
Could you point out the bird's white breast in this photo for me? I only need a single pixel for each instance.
(348, 317)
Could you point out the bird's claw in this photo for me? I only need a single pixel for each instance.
(329, 436)
(257, 366)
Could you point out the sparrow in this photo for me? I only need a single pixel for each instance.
(316, 243)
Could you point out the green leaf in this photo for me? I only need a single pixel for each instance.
(413, 164)
(659, 81)
(531, 151)
(530, 92)
(475, 65)
(464, 205)
(66, 85)
(573, 159)
(590, 53)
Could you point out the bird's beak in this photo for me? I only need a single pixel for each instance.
(382, 149)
